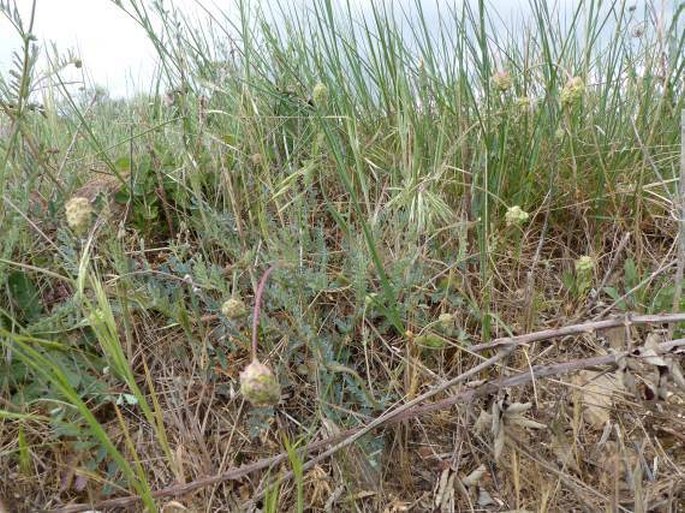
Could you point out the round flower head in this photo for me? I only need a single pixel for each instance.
(502, 81)
(584, 264)
(258, 385)
(234, 308)
(257, 159)
(572, 92)
(320, 94)
(515, 216)
(525, 104)
(446, 320)
(79, 212)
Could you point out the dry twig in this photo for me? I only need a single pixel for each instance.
(576, 329)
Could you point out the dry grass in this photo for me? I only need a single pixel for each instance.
(603, 448)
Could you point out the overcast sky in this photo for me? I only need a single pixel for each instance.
(115, 51)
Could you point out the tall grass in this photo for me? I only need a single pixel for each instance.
(377, 151)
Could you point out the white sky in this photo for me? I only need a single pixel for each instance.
(116, 52)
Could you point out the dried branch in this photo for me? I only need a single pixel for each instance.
(576, 329)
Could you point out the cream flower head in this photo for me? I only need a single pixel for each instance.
(572, 92)
(259, 385)
(79, 213)
(234, 308)
(320, 94)
(515, 216)
(502, 80)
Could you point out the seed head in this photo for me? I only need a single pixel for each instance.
(259, 385)
(584, 267)
(79, 213)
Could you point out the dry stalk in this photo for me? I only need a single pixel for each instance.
(530, 275)
(576, 329)
(681, 224)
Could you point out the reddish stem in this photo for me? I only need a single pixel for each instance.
(257, 308)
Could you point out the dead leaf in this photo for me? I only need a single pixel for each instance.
(443, 498)
(651, 352)
(594, 391)
(397, 506)
(677, 374)
(485, 499)
(504, 415)
(174, 507)
(483, 422)
(475, 476)
(617, 464)
(498, 446)
(318, 480)
(625, 372)
(518, 408)
(563, 449)
(616, 338)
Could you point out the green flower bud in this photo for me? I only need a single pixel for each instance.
(584, 267)
(320, 94)
(524, 104)
(259, 385)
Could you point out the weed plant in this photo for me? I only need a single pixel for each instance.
(422, 182)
